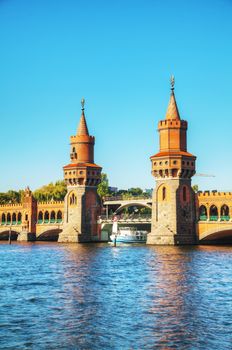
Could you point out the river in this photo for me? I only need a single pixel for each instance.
(94, 296)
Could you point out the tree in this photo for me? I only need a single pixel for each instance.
(195, 188)
(103, 187)
(51, 191)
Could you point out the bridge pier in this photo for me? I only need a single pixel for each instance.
(26, 236)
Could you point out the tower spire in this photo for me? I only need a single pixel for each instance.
(83, 128)
(172, 111)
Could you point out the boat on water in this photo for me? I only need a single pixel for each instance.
(127, 234)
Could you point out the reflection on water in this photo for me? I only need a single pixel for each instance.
(55, 296)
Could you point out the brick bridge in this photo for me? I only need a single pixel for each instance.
(44, 221)
(37, 220)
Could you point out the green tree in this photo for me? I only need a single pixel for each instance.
(195, 188)
(103, 187)
(51, 191)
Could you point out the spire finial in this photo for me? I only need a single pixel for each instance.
(82, 104)
(172, 81)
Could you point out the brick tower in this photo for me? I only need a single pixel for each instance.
(173, 204)
(82, 175)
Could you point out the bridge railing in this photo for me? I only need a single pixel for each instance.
(124, 217)
(124, 198)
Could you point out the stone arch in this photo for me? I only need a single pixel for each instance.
(14, 221)
(225, 213)
(49, 235)
(19, 218)
(217, 234)
(40, 217)
(203, 213)
(52, 216)
(4, 235)
(59, 216)
(213, 213)
(163, 193)
(8, 219)
(46, 217)
(3, 219)
(72, 199)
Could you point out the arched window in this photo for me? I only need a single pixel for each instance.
(13, 219)
(184, 194)
(3, 219)
(74, 150)
(53, 217)
(73, 199)
(225, 214)
(202, 213)
(164, 193)
(19, 221)
(40, 217)
(59, 216)
(213, 213)
(46, 217)
(8, 219)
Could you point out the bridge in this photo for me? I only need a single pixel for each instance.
(44, 221)
(214, 212)
(31, 220)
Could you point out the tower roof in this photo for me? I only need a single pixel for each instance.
(172, 111)
(82, 128)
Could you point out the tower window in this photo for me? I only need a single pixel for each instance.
(73, 199)
(184, 194)
(164, 193)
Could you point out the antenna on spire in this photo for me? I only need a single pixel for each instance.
(172, 81)
(82, 104)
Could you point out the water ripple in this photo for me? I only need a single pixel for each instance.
(99, 297)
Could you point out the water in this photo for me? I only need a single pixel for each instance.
(55, 296)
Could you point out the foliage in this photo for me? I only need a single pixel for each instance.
(103, 187)
(56, 192)
(195, 188)
(11, 197)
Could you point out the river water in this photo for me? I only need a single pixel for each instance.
(55, 296)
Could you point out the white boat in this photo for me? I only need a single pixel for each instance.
(127, 234)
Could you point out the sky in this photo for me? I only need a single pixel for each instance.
(119, 56)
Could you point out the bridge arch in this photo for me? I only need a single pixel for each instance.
(49, 235)
(132, 204)
(4, 235)
(216, 234)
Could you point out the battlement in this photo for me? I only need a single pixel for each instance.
(11, 206)
(82, 138)
(214, 193)
(172, 123)
(51, 203)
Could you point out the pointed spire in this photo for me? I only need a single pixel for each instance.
(82, 128)
(172, 111)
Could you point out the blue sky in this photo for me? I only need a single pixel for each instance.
(119, 55)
